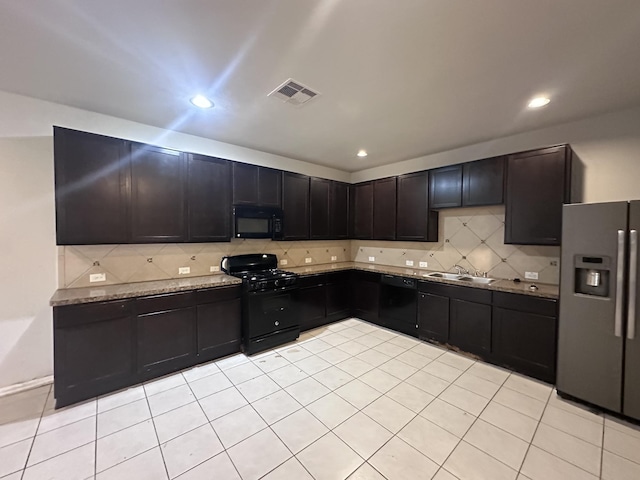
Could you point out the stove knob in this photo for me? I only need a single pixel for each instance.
(276, 283)
(277, 323)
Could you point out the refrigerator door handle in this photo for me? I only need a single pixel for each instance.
(633, 286)
(619, 284)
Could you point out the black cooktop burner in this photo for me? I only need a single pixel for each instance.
(258, 272)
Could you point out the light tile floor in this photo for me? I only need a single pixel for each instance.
(349, 400)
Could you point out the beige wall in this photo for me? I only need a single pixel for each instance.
(607, 145)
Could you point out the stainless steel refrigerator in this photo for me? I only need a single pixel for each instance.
(599, 333)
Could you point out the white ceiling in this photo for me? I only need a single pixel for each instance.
(401, 78)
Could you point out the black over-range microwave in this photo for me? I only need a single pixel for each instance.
(257, 222)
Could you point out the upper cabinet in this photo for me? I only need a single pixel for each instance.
(91, 183)
(384, 209)
(445, 187)
(339, 210)
(361, 200)
(295, 206)
(158, 201)
(319, 209)
(415, 222)
(538, 184)
(483, 182)
(209, 199)
(469, 184)
(254, 185)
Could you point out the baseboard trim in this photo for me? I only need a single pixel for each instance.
(21, 387)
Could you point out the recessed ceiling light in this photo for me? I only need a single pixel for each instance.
(538, 102)
(362, 153)
(202, 101)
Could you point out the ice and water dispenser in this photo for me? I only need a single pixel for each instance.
(593, 274)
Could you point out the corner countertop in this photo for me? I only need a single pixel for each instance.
(544, 290)
(73, 296)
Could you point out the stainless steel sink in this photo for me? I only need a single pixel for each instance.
(462, 278)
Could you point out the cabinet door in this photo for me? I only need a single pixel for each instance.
(269, 187)
(312, 307)
(91, 180)
(526, 342)
(433, 317)
(538, 183)
(445, 187)
(245, 184)
(158, 206)
(338, 210)
(470, 326)
(365, 295)
(363, 211)
(319, 209)
(415, 221)
(384, 209)
(219, 329)
(86, 360)
(483, 182)
(338, 297)
(209, 199)
(295, 206)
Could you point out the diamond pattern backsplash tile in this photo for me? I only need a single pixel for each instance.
(470, 237)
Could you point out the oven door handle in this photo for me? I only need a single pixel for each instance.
(288, 288)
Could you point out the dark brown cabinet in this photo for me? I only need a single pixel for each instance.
(384, 209)
(361, 196)
(445, 187)
(295, 206)
(319, 209)
(337, 294)
(209, 199)
(524, 334)
(254, 185)
(365, 295)
(166, 333)
(433, 317)
(311, 302)
(219, 326)
(339, 210)
(415, 222)
(158, 200)
(470, 325)
(94, 349)
(538, 184)
(91, 182)
(483, 182)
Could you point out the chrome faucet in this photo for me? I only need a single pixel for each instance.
(480, 273)
(461, 270)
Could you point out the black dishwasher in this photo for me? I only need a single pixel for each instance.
(398, 304)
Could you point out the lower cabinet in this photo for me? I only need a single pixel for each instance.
(337, 295)
(323, 299)
(365, 295)
(524, 334)
(101, 347)
(470, 326)
(433, 317)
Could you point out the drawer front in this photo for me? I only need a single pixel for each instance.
(338, 277)
(220, 294)
(162, 303)
(526, 303)
(469, 294)
(73, 315)
(312, 280)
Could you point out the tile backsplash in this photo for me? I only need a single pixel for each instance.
(472, 238)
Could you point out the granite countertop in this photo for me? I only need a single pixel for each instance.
(544, 290)
(72, 296)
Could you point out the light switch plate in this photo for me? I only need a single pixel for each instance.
(372, 259)
(334, 258)
(531, 275)
(284, 262)
(424, 264)
(307, 260)
(98, 277)
(184, 270)
(213, 268)
(409, 263)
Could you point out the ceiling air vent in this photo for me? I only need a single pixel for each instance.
(293, 92)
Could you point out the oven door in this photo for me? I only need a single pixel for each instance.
(269, 312)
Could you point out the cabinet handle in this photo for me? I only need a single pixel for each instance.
(617, 330)
(633, 284)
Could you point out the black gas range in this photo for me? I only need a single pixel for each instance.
(268, 298)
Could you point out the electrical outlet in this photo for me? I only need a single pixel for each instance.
(98, 277)
(372, 259)
(334, 258)
(409, 263)
(307, 260)
(184, 270)
(213, 268)
(531, 275)
(424, 264)
(284, 262)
